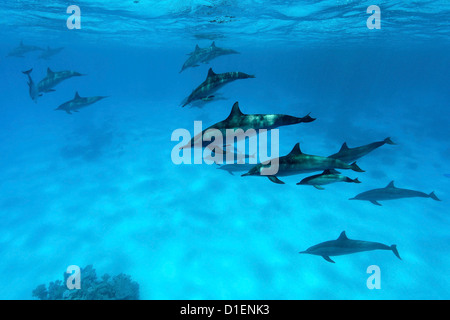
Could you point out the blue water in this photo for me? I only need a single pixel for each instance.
(99, 186)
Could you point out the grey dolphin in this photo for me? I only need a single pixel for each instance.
(201, 103)
(205, 55)
(391, 192)
(235, 154)
(47, 54)
(349, 155)
(238, 120)
(32, 88)
(22, 49)
(213, 83)
(78, 102)
(326, 177)
(297, 162)
(236, 167)
(54, 78)
(344, 245)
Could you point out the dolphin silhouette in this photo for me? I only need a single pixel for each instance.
(390, 192)
(296, 162)
(326, 177)
(32, 88)
(238, 120)
(50, 52)
(344, 245)
(213, 83)
(78, 102)
(205, 55)
(52, 79)
(22, 49)
(349, 155)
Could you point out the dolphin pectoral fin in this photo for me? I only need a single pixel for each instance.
(274, 179)
(319, 187)
(328, 259)
(376, 203)
(68, 112)
(231, 172)
(50, 90)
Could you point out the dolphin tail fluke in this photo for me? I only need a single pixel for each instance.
(356, 168)
(308, 118)
(433, 196)
(389, 141)
(27, 72)
(394, 249)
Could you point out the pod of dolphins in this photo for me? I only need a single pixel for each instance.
(295, 162)
(52, 79)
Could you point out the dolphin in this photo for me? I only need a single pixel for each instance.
(238, 120)
(349, 155)
(344, 245)
(22, 49)
(202, 102)
(296, 162)
(391, 192)
(213, 83)
(78, 102)
(205, 55)
(235, 154)
(47, 54)
(326, 177)
(236, 167)
(54, 78)
(32, 88)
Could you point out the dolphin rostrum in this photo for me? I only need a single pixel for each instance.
(78, 102)
(391, 192)
(22, 49)
(344, 245)
(297, 162)
(238, 120)
(205, 55)
(349, 155)
(47, 54)
(213, 83)
(32, 88)
(326, 177)
(54, 78)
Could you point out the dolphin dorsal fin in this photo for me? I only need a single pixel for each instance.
(235, 111)
(49, 71)
(342, 236)
(197, 47)
(296, 150)
(213, 44)
(211, 73)
(77, 96)
(391, 184)
(344, 147)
